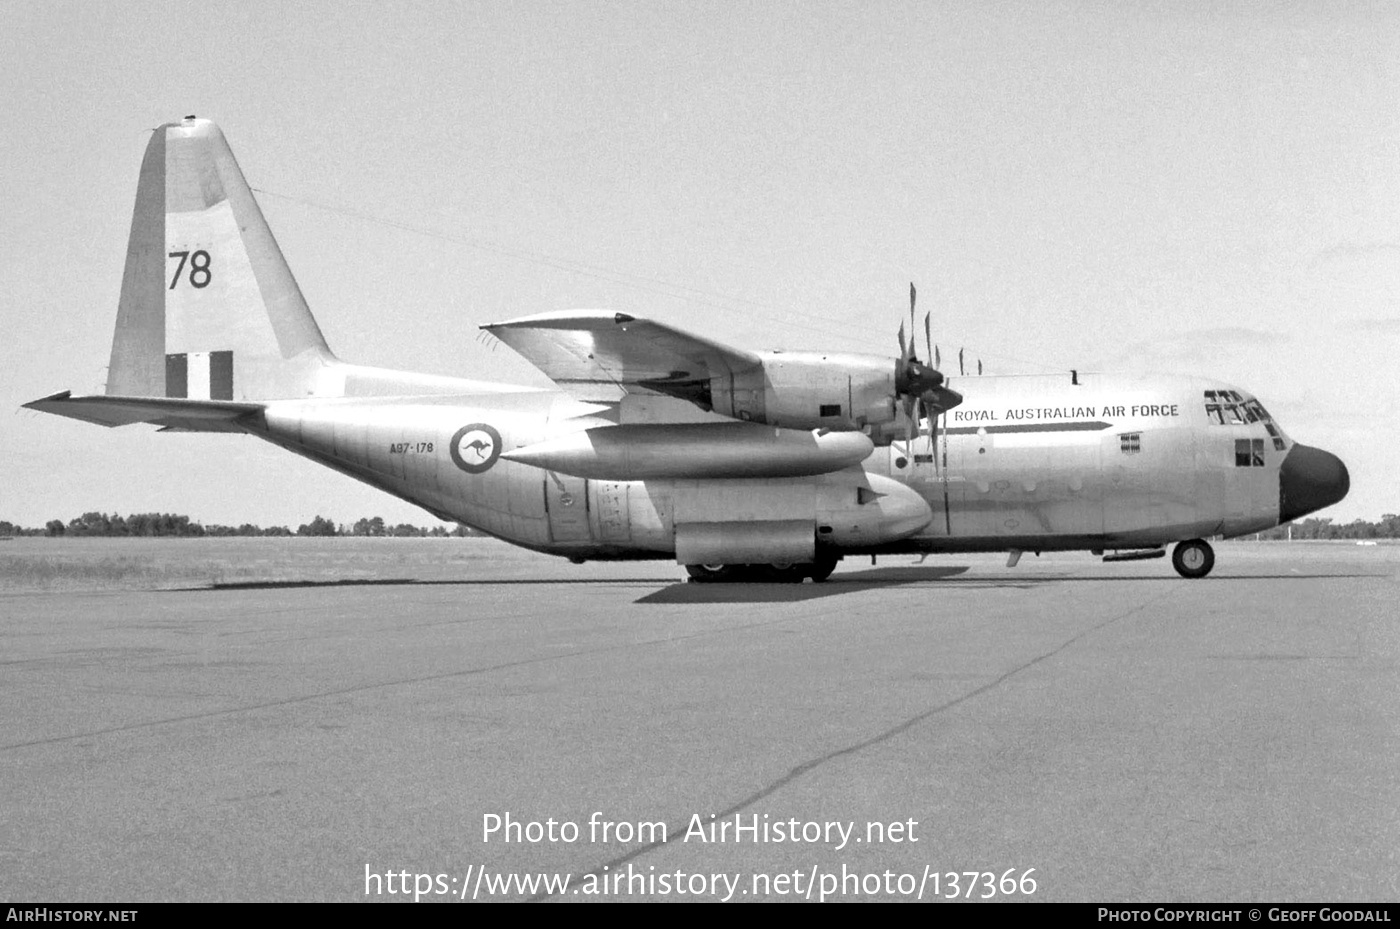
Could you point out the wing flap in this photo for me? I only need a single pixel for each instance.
(172, 413)
(600, 356)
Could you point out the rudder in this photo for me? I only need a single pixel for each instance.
(209, 309)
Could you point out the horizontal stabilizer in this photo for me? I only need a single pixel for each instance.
(181, 414)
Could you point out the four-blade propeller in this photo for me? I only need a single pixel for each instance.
(920, 387)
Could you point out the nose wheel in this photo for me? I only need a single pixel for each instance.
(1193, 558)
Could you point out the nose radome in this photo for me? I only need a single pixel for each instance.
(1308, 480)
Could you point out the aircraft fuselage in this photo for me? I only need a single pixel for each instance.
(1033, 463)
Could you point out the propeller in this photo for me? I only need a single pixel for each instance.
(920, 386)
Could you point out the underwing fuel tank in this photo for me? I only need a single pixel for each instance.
(695, 451)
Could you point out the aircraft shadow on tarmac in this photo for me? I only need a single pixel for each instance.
(848, 582)
(679, 592)
(407, 582)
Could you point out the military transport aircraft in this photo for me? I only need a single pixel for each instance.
(663, 444)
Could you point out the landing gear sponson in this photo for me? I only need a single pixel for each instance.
(1193, 558)
(788, 573)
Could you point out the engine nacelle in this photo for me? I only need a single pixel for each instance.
(810, 390)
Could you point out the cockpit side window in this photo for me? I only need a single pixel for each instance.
(1249, 453)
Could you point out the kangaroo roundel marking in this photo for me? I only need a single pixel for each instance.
(475, 448)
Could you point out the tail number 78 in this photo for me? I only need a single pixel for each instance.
(199, 276)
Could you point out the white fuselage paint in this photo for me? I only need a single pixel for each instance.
(1034, 463)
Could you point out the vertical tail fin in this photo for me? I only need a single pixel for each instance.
(209, 308)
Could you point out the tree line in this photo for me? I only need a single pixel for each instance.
(1387, 528)
(173, 525)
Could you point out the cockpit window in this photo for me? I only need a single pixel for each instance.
(1261, 415)
(1224, 414)
(1228, 408)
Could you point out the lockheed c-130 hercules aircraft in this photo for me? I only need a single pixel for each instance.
(740, 465)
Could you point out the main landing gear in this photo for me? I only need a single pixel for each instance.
(788, 573)
(1193, 558)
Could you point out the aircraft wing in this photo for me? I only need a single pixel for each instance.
(599, 356)
(171, 413)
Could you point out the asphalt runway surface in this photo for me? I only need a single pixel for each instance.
(1128, 735)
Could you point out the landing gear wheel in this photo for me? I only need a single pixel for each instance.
(713, 573)
(786, 573)
(821, 569)
(1193, 558)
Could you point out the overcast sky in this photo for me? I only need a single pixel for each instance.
(1208, 189)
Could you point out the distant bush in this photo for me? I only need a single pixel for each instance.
(320, 526)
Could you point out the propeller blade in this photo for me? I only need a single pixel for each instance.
(912, 336)
(903, 355)
(928, 338)
(918, 416)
